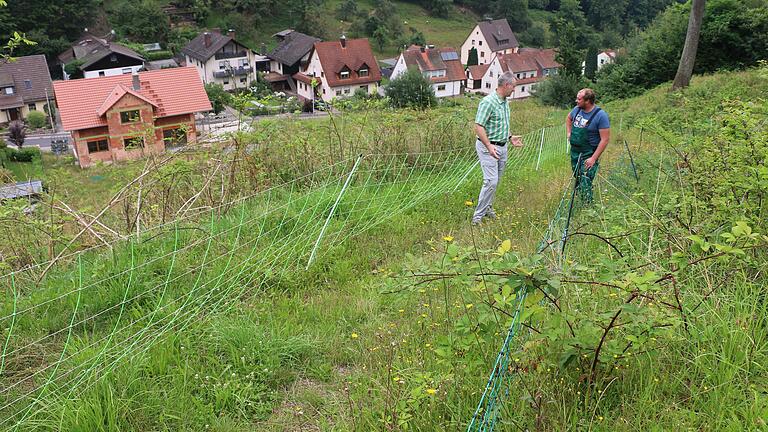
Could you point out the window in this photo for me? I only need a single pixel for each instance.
(113, 58)
(363, 72)
(223, 65)
(338, 92)
(441, 87)
(473, 42)
(127, 71)
(346, 91)
(365, 87)
(344, 74)
(133, 143)
(27, 84)
(491, 74)
(130, 116)
(482, 53)
(32, 107)
(8, 90)
(522, 89)
(243, 62)
(174, 136)
(323, 90)
(243, 80)
(518, 76)
(226, 82)
(487, 85)
(480, 43)
(101, 73)
(98, 146)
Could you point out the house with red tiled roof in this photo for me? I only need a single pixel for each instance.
(338, 69)
(126, 117)
(440, 65)
(529, 66)
(475, 75)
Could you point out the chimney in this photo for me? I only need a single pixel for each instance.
(136, 82)
(207, 38)
(231, 33)
(343, 40)
(423, 48)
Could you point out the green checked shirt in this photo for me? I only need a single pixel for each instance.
(493, 115)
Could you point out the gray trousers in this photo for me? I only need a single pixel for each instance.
(493, 169)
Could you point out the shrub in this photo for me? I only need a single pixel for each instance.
(218, 96)
(411, 90)
(17, 133)
(158, 55)
(29, 154)
(559, 90)
(36, 120)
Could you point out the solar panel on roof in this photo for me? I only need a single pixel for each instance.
(450, 55)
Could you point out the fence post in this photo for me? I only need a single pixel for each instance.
(333, 210)
(541, 146)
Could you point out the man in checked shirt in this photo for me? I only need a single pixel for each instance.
(492, 129)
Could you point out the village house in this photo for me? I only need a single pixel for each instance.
(99, 56)
(339, 69)
(290, 56)
(489, 38)
(220, 59)
(25, 85)
(529, 66)
(128, 116)
(440, 65)
(603, 58)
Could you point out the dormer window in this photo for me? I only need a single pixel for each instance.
(113, 58)
(363, 72)
(344, 74)
(27, 84)
(8, 90)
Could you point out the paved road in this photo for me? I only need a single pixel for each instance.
(44, 141)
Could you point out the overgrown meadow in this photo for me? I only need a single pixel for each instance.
(653, 317)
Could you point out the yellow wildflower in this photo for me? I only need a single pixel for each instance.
(448, 238)
(354, 336)
(468, 203)
(431, 391)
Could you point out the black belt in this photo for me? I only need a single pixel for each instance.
(499, 143)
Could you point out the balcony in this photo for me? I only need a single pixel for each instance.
(230, 72)
(230, 55)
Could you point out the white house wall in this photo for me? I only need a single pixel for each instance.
(451, 88)
(206, 70)
(476, 40)
(111, 72)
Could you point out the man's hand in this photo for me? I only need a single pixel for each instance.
(589, 163)
(492, 151)
(516, 140)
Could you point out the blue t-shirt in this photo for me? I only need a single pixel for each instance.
(600, 121)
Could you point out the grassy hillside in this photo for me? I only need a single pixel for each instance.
(233, 334)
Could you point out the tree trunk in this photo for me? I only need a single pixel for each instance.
(685, 68)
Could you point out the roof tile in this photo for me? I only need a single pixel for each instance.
(173, 91)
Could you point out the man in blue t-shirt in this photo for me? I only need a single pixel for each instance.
(589, 130)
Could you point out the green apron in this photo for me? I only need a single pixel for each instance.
(582, 150)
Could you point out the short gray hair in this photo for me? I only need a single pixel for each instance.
(506, 78)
